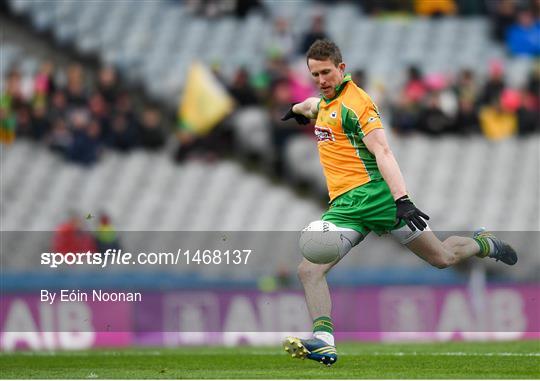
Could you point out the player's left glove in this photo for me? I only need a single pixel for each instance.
(413, 217)
(300, 119)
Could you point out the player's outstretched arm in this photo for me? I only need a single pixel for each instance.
(304, 111)
(377, 144)
(309, 108)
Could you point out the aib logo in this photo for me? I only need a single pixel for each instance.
(324, 134)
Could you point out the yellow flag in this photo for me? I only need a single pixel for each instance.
(205, 101)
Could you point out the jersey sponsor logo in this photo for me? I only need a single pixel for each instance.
(324, 134)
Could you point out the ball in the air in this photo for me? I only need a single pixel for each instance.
(320, 242)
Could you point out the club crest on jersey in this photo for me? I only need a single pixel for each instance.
(333, 115)
(324, 134)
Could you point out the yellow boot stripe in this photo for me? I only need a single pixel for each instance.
(325, 350)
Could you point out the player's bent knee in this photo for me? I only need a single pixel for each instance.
(405, 235)
(322, 242)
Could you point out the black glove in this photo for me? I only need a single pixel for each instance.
(409, 213)
(300, 119)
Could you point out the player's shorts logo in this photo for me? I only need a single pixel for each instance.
(324, 134)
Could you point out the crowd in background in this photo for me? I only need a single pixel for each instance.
(437, 105)
(78, 117)
(515, 23)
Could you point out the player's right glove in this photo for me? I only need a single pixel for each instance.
(413, 217)
(300, 119)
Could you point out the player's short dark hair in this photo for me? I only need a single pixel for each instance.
(322, 50)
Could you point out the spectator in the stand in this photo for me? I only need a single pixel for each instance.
(316, 32)
(466, 86)
(11, 100)
(498, 119)
(124, 106)
(106, 236)
(281, 41)
(60, 139)
(276, 69)
(217, 8)
(523, 38)
(108, 86)
(8, 120)
(123, 134)
(86, 145)
(24, 120)
(300, 82)
(379, 7)
(58, 105)
(433, 120)
(152, 135)
(529, 111)
(241, 89)
(406, 112)
(533, 87)
(40, 121)
(281, 131)
(415, 89)
(100, 111)
(243, 7)
(71, 237)
(495, 83)
(75, 91)
(466, 121)
(447, 97)
(503, 17)
(14, 90)
(44, 85)
(435, 7)
(474, 8)
(528, 115)
(205, 8)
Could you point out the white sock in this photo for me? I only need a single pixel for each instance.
(327, 337)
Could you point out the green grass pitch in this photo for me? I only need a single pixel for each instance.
(356, 360)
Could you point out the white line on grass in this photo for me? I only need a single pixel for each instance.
(267, 353)
(450, 354)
